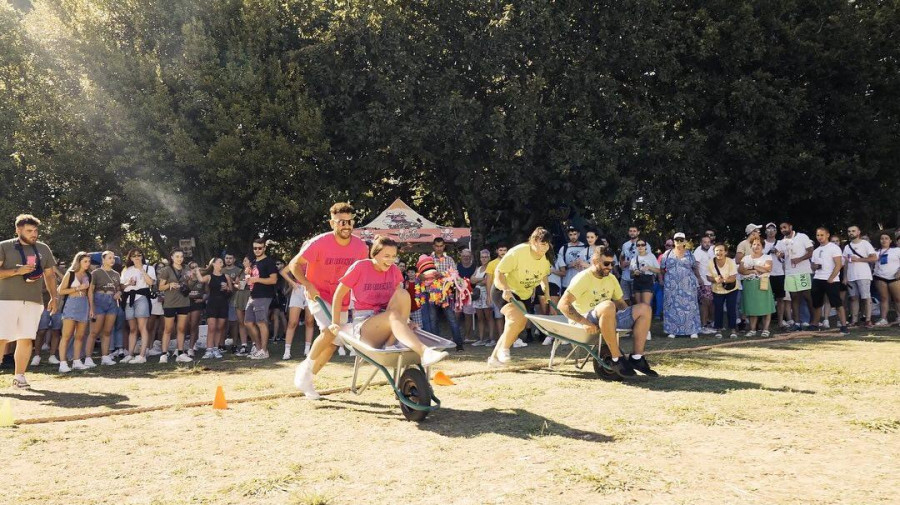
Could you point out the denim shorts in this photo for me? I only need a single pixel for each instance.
(140, 309)
(49, 322)
(257, 310)
(76, 309)
(104, 304)
(624, 318)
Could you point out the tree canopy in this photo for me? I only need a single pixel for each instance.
(140, 122)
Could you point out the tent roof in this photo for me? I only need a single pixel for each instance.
(401, 222)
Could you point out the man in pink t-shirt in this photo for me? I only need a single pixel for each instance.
(326, 259)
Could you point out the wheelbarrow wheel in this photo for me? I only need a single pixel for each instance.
(599, 370)
(415, 387)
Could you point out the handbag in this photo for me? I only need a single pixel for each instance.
(727, 285)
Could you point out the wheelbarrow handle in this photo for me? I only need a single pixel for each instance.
(323, 306)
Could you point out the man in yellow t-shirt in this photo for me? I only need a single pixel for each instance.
(489, 270)
(521, 270)
(594, 299)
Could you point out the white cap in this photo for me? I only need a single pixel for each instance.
(750, 228)
(679, 235)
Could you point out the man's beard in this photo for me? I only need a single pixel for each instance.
(26, 241)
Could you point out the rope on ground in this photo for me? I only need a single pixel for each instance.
(295, 394)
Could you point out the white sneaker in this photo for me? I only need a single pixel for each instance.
(107, 361)
(183, 358)
(190, 353)
(733, 334)
(138, 360)
(164, 358)
(78, 365)
(209, 354)
(126, 359)
(495, 363)
(519, 343)
(547, 341)
(35, 361)
(503, 356)
(307, 348)
(155, 350)
(882, 322)
(431, 356)
(825, 324)
(671, 335)
(260, 354)
(478, 343)
(53, 360)
(750, 334)
(342, 351)
(253, 350)
(64, 367)
(88, 362)
(694, 335)
(286, 356)
(121, 353)
(217, 353)
(46, 346)
(490, 343)
(705, 331)
(303, 380)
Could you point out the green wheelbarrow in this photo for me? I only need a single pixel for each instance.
(409, 380)
(563, 331)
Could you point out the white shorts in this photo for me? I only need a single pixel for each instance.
(323, 321)
(20, 319)
(298, 298)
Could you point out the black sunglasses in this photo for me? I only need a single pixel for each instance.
(642, 245)
(679, 240)
(344, 222)
(607, 263)
(258, 248)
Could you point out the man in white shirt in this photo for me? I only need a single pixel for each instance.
(776, 277)
(570, 257)
(628, 252)
(702, 256)
(796, 250)
(827, 263)
(859, 256)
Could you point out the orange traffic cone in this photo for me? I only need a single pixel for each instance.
(219, 403)
(441, 379)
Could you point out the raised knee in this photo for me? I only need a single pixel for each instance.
(605, 308)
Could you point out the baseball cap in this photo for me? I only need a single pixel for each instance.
(771, 225)
(750, 228)
(679, 235)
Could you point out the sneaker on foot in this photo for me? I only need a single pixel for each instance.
(620, 367)
(733, 334)
(718, 334)
(107, 361)
(495, 363)
(138, 360)
(642, 366)
(53, 360)
(78, 365)
(547, 341)
(503, 355)
(260, 354)
(844, 330)
(750, 334)
(242, 351)
(431, 356)
(307, 348)
(694, 335)
(209, 354)
(126, 359)
(64, 367)
(671, 335)
(478, 343)
(164, 358)
(253, 349)
(190, 353)
(183, 358)
(20, 382)
(707, 331)
(35, 361)
(826, 325)
(342, 351)
(286, 356)
(303, 380)
(154, 351)
(765, 334)
(88, 362)
(882, 323)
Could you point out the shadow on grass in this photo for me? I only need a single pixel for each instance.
(72, 400)
(451, 422)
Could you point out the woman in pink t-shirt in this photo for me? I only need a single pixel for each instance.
(381, 303)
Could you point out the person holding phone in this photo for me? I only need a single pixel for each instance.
(24, 262)
(173, 281)
(76, 309)
(105, 293)
(137, 279)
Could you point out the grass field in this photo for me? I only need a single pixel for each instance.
(807, 420)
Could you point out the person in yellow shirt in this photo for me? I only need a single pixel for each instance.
(521, 270)
(595, 299)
